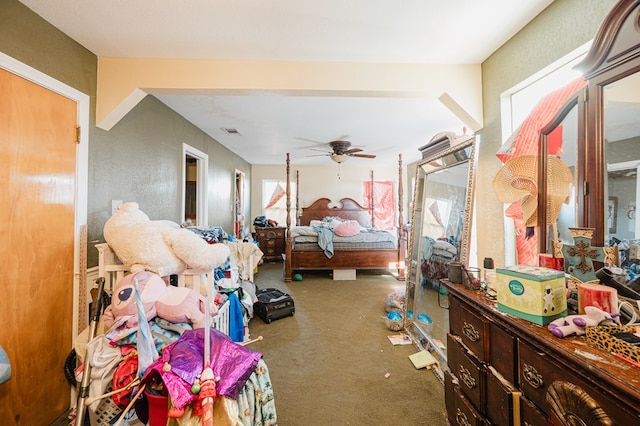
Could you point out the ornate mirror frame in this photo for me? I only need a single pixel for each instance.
(612, 70)
(571, 115)
(615, 55)
(445, 160)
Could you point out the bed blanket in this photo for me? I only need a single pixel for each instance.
(325, 240)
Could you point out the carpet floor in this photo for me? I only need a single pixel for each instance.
(328, 362)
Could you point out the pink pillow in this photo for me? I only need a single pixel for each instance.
(347, 229)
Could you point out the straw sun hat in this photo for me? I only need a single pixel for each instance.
(517, 180)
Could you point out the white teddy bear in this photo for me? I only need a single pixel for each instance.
(159, 246)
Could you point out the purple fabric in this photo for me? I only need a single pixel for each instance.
(230, 361)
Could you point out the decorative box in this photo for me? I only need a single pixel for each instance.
(533, 293)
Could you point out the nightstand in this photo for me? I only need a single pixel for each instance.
(271, 241)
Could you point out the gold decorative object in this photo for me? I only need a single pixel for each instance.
(570, 405)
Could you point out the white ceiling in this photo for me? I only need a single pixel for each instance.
(368, 31)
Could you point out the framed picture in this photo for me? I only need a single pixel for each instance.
(612, 214)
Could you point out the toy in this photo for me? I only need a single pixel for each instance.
(174, 304)
(159, 246)
(576, 324)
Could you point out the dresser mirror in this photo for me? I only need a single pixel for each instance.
(559, 177)
(440, 228)
(622, 159)
(611, 145)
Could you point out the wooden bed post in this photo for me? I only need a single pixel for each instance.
(373, 220)
(402, 237)
(297, 196)
(287, 250)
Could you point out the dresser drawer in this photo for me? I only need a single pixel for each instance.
(530, 415)
(536, 372)
(449, 395)
(469, 372)
(271, 243)
(273, 233)
(472, 328)
(270, 251)
(502, 351)
(500, 399)
(464, 414)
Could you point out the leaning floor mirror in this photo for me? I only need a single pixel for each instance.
(440, 228)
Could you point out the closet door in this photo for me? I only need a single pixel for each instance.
(37, 177)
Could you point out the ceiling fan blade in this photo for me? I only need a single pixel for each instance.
(363, 155)
(318, 149)
(318, 155)
(352, 150)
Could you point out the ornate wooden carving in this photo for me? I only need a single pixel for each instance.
(570, 405)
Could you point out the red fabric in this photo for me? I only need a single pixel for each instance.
(525, 141)
(384, 214)
(125, 373)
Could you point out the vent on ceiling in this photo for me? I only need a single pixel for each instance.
(231, 131)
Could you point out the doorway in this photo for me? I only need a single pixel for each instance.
(238, 214)
(194, 195)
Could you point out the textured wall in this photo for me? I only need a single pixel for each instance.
(561, 28)
(140, 159)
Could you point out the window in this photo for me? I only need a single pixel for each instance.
(274, 201)
(519, 102)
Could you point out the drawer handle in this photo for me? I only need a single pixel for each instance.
(271, 234)
(461, 418)
(470, 331)
(467, 378)
(532, 376)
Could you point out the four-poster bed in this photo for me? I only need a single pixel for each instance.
(367, 249)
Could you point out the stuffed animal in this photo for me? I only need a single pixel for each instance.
(576, 324)
(174, 304)
(159, 246)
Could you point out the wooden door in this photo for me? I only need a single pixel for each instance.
(37, 177)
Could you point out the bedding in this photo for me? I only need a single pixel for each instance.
(370, 237)
(436, 256)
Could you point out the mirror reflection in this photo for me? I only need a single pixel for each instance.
(440, 227)
(562, 144)
(622, 158)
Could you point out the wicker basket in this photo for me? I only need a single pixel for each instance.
(104, 414)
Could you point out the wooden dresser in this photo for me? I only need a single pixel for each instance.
(506, 371)
(271, 241)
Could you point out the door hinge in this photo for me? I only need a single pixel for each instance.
(585, 93)
(585, 188)
(78, 134)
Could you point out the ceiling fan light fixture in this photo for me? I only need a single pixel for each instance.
(339, 158)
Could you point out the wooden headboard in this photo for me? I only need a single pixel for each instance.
(347, 208)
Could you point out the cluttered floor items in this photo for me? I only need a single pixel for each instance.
(164, 353)
(148, 368)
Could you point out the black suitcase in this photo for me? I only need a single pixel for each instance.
(273, 304)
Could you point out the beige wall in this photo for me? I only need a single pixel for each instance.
(331, 181)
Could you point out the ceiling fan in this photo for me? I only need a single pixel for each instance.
(340, 151)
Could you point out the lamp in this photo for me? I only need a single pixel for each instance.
(339, 158)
